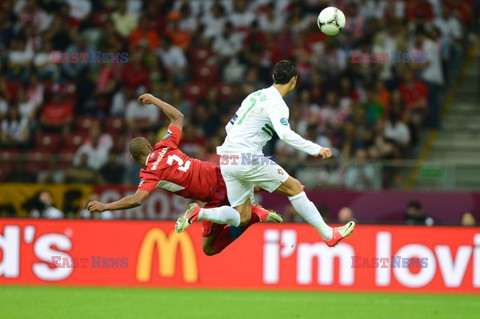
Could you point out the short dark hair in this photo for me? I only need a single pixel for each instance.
(284, 71)
(415, 204)
(138, 147)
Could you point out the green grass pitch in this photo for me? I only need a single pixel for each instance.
(81, 302)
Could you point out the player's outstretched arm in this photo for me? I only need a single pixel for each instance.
(279, 118)
(127, 202)
(174, 115)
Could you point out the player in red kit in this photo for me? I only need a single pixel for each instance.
(168, 168)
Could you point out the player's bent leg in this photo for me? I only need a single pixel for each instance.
(210, 232)
(304, 207)
(290, 187)
(245, 211)
(216, 240)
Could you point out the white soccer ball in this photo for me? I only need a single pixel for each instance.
(331, 20)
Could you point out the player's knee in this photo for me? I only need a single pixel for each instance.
(244, 219)
(295, 187)
(208, 250)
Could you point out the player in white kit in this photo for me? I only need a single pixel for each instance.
(243, 164)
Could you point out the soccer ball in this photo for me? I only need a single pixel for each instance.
(331, 20)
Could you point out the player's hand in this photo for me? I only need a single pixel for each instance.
(325, 153)
(95, 207)
(146, 98)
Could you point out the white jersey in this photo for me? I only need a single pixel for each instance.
(262, 113)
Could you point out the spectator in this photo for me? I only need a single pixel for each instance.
(331, 114)
(112, 171)
(241, 17)
(43, 207)
(269, 21)
(96, 147)
(144, 35)
(20, 57)
(468, 219)
(140, 116)
(120, 100)
(58, 33)
(135, 74)
(374, 110)
(421, 9)
(414, 95)
(189, 21)
(72, 70)
(26, 107)
(53, 174)
(81, 172)
(382, 148)
(42, 61)
(228, 43)
(106, 85)
(345, 214)
(124, 21)
(416, 216)
(173, 59)
(361, 174)
(185, 105)
(58, 113)
(451, 36)
(396, 130)
(79, 9)
(31, 14)
(432, 75)
(214, 20)
(15, 129)
(356, 21)
(179, 37)
(35, 91)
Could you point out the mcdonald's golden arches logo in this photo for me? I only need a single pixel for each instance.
(167, 246)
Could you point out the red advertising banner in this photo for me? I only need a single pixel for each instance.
(285, 256)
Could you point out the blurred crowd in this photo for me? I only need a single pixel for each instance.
(204, 57)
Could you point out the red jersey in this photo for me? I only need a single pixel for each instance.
(170, 169)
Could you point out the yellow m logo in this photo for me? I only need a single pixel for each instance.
(167, 252)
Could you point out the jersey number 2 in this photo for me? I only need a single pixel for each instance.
(181, 165)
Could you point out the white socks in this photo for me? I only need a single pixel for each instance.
(310, 213)
(220, 215)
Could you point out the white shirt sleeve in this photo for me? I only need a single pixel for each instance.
(278, 114)
(228, 127)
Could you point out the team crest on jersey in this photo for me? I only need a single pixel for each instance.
(167, 135)
(284, 121)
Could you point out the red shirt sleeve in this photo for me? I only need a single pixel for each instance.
(148, 181)
(171, 139)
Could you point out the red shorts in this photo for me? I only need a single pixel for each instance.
(219, 199)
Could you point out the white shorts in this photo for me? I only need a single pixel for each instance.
(240, 179)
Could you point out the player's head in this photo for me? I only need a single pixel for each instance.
(139, 149)
(285, 73)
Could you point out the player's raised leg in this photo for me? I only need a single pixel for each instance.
(305, 208)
